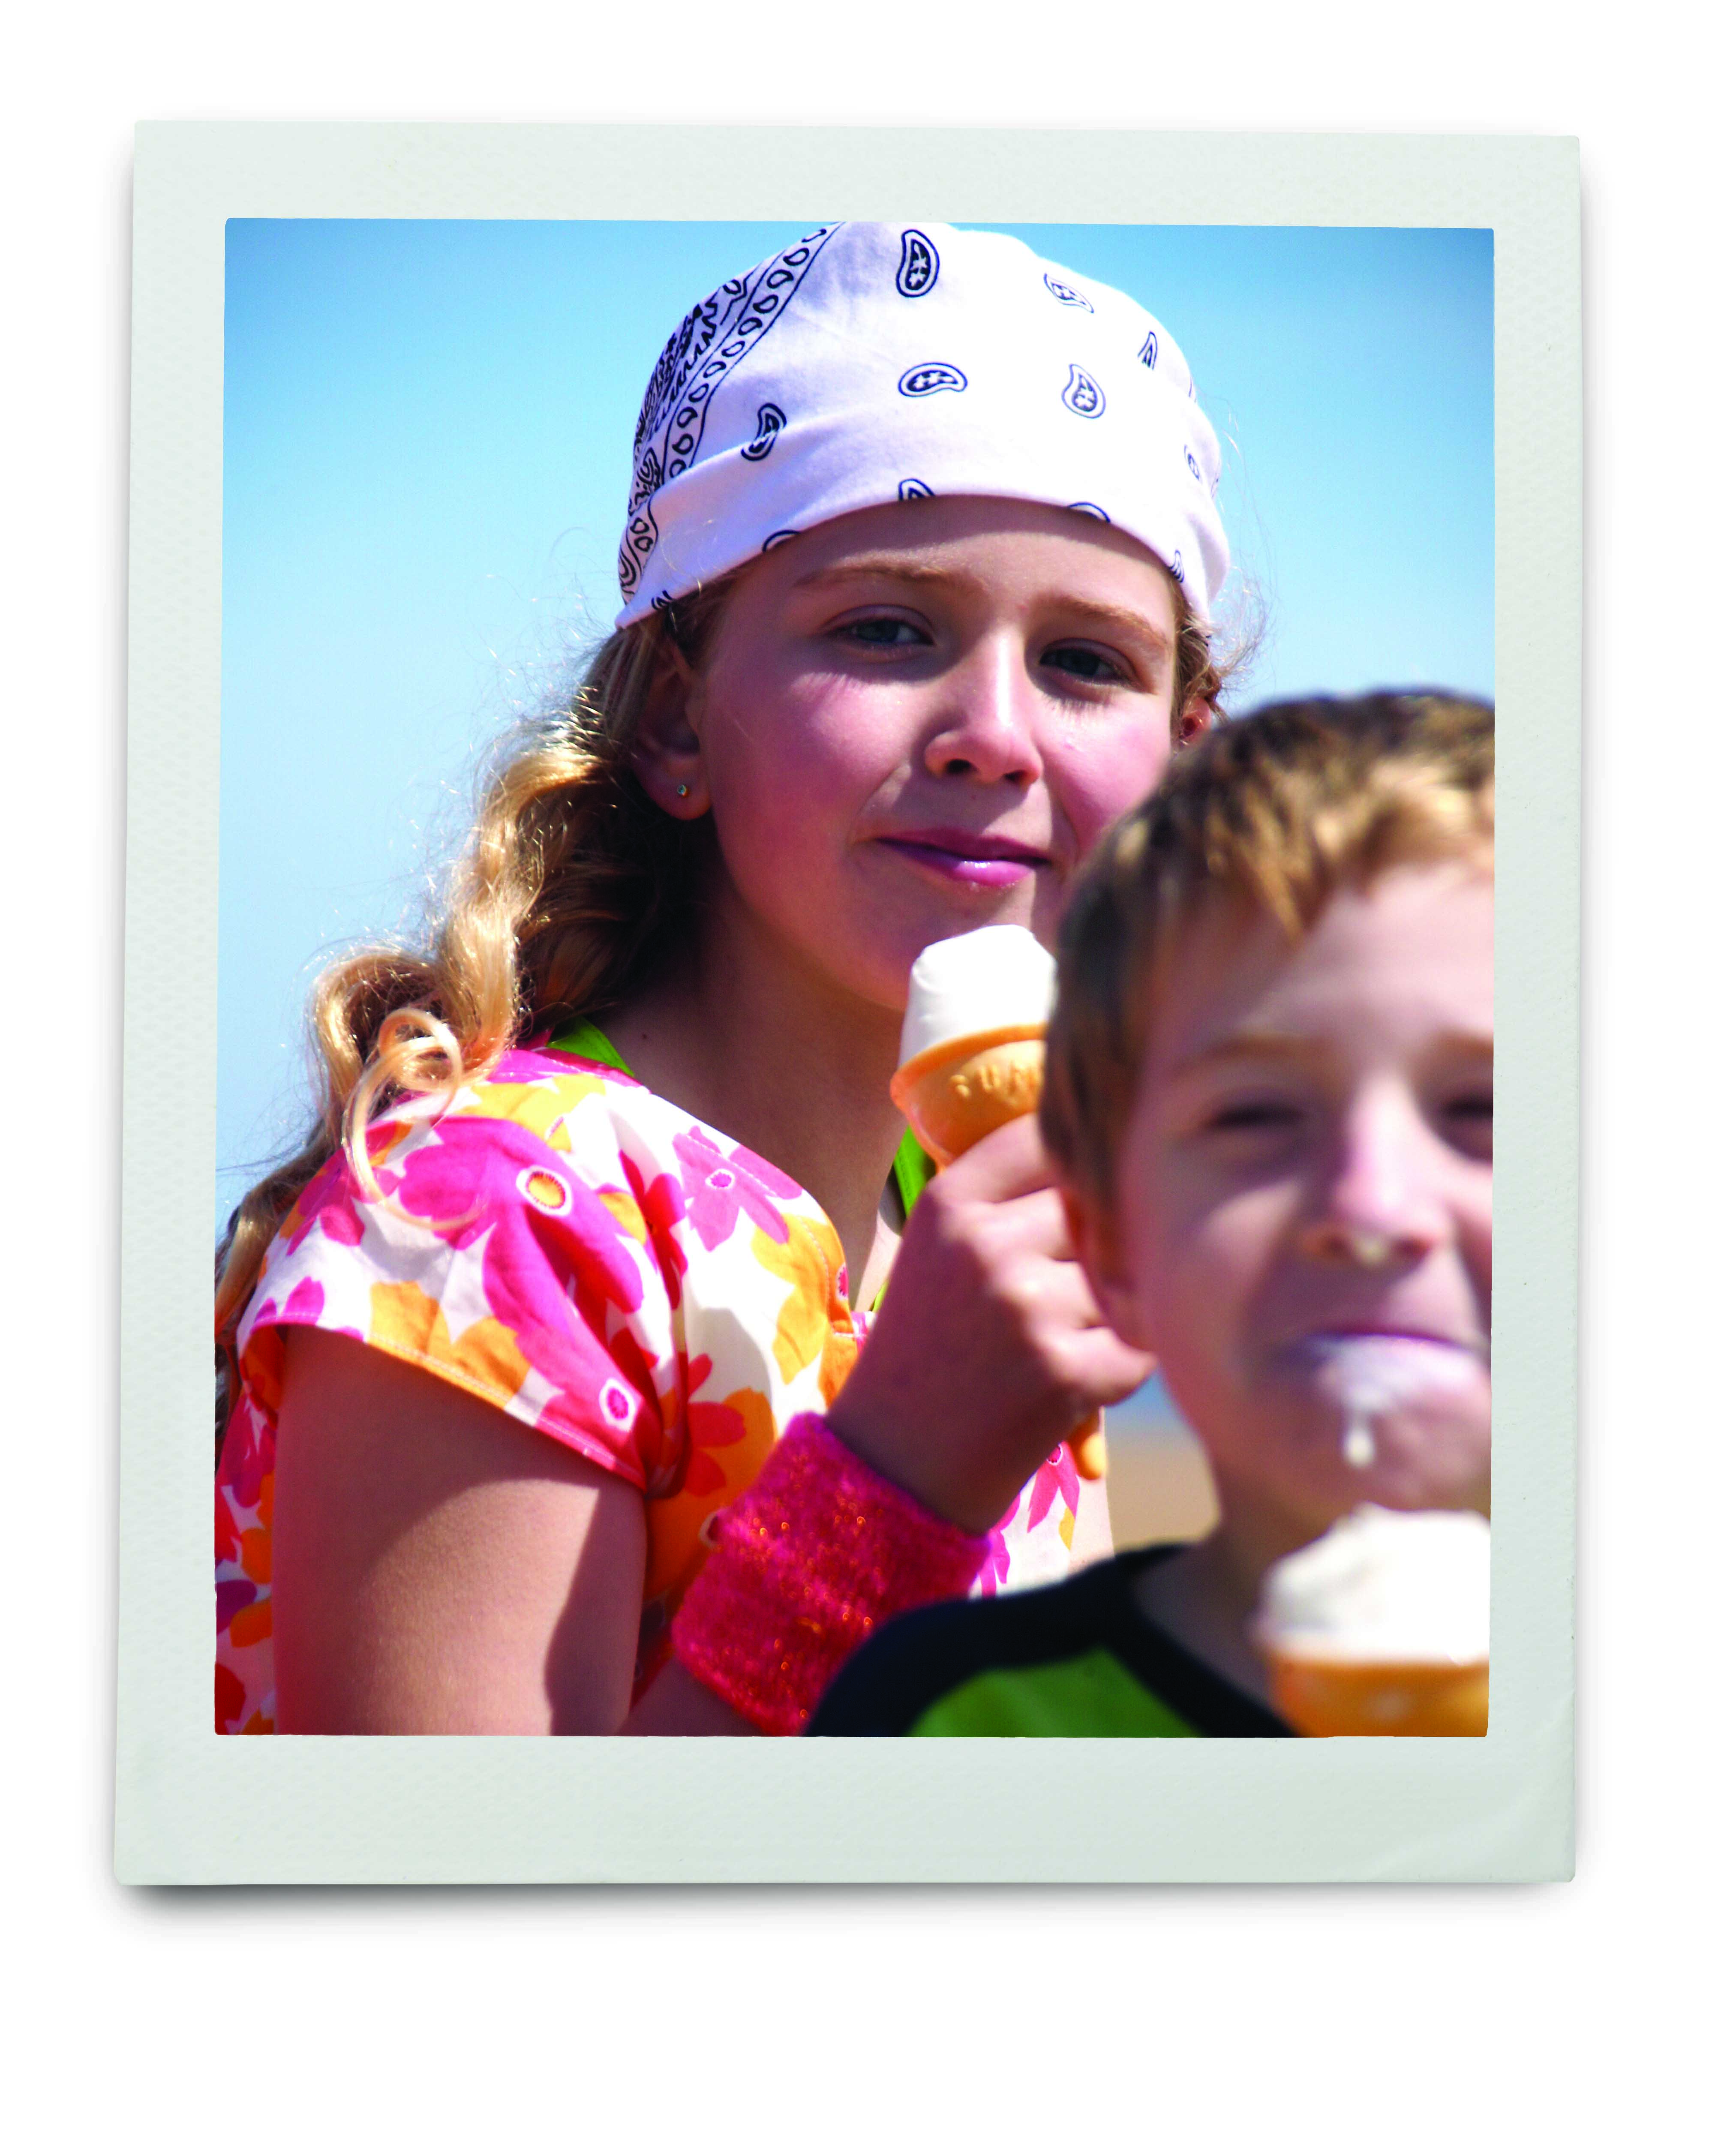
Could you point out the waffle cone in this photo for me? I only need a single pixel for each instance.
(961, 1090)
(1324, 1697)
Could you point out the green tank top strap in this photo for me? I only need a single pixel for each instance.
(591, 1044)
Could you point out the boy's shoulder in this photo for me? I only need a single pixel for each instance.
(1081, 1659)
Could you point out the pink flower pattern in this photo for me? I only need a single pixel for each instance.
(594, 1272)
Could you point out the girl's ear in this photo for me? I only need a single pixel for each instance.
(1194, 720)
(668, 753)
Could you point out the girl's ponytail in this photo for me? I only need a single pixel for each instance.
(573, 884)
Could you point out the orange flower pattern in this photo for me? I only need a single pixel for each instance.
(561, 1242)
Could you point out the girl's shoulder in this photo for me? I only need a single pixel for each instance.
(557, 1154)
(602, 1117)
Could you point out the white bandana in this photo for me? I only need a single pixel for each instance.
(882, 362)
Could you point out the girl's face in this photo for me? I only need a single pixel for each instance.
(918, 720)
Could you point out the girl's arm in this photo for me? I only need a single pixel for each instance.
(439, 1568)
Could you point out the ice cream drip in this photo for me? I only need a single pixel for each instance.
(1368, 1375)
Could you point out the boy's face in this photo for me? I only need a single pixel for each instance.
(1303, 1222)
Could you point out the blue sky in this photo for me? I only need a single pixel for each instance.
(427, 435)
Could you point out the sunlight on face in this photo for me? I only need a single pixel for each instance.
(920, 719)
(1305, 1189)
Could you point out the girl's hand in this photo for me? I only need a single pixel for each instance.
(989, 1348)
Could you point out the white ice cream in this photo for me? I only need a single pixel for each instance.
(1384, 1587)
(977, 983)
(1368, 1376)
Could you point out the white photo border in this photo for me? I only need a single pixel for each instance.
(195, 1808)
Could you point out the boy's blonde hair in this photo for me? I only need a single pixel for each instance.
(1275, 813)
(573, 887)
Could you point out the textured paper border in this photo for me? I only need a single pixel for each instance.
(193, 1807)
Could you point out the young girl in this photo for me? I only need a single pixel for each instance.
(917, 571)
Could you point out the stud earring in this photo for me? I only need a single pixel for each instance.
(683, 791)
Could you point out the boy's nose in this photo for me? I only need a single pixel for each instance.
(1380, 1206)
(985, 727)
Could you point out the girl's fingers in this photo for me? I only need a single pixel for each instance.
(1075, 1336)
(1008, 1163)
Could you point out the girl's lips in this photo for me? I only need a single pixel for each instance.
(965, 857)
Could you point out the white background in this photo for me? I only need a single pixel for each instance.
(1342, 2019)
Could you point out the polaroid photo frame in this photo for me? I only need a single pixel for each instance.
(193, 1807)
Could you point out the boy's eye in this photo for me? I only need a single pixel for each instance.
(1083, 663)
(1254, 1116)
(1470, 1114)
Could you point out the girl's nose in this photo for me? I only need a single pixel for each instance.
(986, 728)
(1379, 1207)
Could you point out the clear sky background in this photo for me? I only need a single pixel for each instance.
(428, 441)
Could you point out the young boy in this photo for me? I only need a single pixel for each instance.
(1268, 1093)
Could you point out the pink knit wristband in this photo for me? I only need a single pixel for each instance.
(818, 1553)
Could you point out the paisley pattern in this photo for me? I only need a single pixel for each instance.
(1066, 293)
(709, 344)
(919, 264)
(586, 1257)
(930, 375)
(1083, 395)
(771, 420)
(871, 363)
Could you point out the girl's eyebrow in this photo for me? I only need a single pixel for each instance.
(913, 572)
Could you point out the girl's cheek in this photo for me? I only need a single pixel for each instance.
(1096, 782)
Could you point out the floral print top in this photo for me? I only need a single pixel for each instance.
(589, 1258)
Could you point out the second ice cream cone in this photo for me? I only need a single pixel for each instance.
(1331, 1697)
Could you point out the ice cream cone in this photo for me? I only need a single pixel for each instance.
(1382, 1627)
(1327, 1697)
(959, 1081)
(960, 1090)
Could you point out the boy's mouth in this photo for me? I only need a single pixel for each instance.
(1376, 1369)
(968, 857)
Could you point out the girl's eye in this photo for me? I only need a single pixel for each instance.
(883, 633)
(1083, 663)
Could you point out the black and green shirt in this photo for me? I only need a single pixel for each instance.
(1079, 1659)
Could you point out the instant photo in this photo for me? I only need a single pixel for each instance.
(837, 857)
